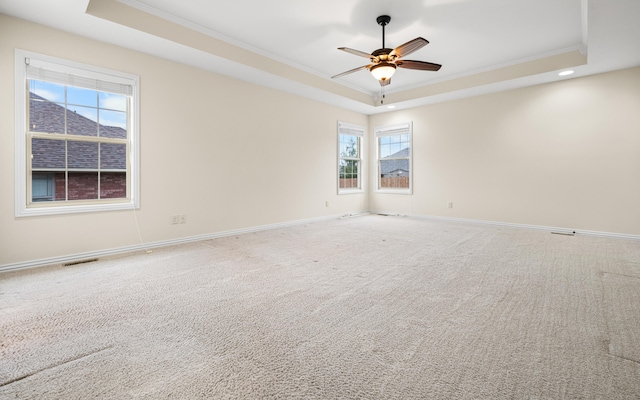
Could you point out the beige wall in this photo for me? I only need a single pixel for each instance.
(565, 154)
(228, 154)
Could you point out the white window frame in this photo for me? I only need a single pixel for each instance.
(89, 75)
(393, 130)
(345, 128)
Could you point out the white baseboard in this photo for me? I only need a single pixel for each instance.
(514, 225)
(154, 245)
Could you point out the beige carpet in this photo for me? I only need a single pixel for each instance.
(371, 307)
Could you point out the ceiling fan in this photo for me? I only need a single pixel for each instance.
(385, 61)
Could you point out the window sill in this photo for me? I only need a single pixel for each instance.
(394, 191)
(74, 209)
(350, 191)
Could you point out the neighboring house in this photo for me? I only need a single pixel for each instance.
(72, 169)
(395, 167)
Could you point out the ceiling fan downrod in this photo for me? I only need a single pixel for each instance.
(383, 20)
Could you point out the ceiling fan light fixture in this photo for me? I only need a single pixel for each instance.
(383, 71)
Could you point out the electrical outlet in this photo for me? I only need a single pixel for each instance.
(450, 204)
(326, 203)
(175, 219)
(183, 218)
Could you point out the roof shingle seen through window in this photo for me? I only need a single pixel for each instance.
(49, 117)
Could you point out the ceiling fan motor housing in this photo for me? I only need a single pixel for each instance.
(382, 54)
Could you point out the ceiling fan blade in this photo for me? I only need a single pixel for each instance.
(385, 82)
(409, 47)
(419, 65)
(356, 52)
(351, 71)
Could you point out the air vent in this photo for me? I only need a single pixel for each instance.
(79, 262)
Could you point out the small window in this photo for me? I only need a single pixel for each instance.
(349, 158)
(43, 186)
(76, 137)
(393, 147)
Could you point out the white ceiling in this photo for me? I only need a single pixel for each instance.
(292, 44)
(465, 35)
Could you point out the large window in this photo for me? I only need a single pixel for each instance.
(393, 144)
(349, 158)
(76, 137)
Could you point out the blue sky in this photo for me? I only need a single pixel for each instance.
(86, 102)
(390, 145)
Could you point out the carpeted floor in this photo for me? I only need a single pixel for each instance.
(370, 307)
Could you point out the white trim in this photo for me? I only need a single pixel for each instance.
(21, 158)
(584, 13)
(513, 225)
(20, 143)
(153, 245)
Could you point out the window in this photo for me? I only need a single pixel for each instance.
(43, 185)
(393, 144)
(76, 137)
(349, 158)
